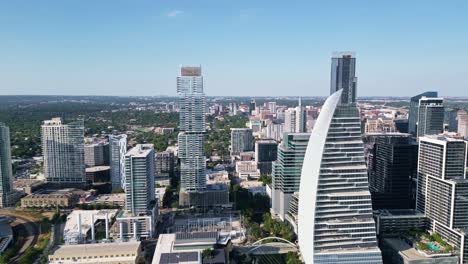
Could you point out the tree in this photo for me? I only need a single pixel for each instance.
(293, 258)
(208, 253)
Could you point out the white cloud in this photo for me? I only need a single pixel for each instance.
(174, 13)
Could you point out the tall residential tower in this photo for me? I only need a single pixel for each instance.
(191, 100)
(117, 150)
(63, 150)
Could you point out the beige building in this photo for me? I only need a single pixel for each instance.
(111, 253)
(48, 200)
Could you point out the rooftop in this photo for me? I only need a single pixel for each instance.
(97, 248)
(140, 150)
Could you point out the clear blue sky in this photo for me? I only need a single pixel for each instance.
(252, 48)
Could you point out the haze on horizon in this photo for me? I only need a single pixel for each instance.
(246, 48)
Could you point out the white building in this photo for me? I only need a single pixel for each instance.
(139, 179)
(63, 150)
(335, 221)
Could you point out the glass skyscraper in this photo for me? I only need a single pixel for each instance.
(343, 76)
(6, 174)
(191, 101)
(335, 222)
(118, 148)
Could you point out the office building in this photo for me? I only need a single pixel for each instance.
(6, 173)
(117, 150)
(63, 151)
(266, 151)
(139, 179)
(426, 115)
(191, 101)
(392, 170)
(241, 140)
(430, 116)
(414, 110)
(442, 193)
(272, 107)
(343, 76)
(335, 221)
(286, 172)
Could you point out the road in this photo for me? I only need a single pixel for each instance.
(25, 232)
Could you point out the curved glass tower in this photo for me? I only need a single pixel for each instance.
(335, 209)
(335, 223)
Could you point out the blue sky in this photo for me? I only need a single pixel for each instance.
(252, 48)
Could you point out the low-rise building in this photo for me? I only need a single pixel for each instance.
(247, 170)
(110, 253)
(48, 200)
(114, 199)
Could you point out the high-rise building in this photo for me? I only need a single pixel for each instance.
(274, 130)
(95, 154)
(343, 76)
(191, 101)
(442, 193)
(117, 151)
(165, 164)
(451, 121)
(392, 171)
(139, 179)
(241, 140)
(266, 151)
(6, 173)
(335, 221)
(63, 151)
(430, 116)
(462, 120)
(286, 172)
(252, 106)
(272, 107)
(290, 120)
(301, 118)
(295, 119)
(430, 108)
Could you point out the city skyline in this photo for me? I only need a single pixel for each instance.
(132, 49)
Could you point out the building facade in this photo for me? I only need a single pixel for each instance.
(392, 170)
(414, 110)
(266, 151)
(165, 164)
(139, 179)
(343, 76)
(442, 193)
(241, 140)
(117, 150)
(95, 154)
(63, 151)
(286, 172)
